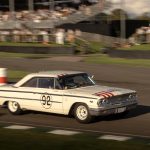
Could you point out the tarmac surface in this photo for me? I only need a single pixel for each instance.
(137, 122)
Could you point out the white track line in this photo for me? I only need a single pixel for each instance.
(18, 127)
(81, 130)
(114, 137)
(64, 132)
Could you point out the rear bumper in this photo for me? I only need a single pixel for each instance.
(103, 112)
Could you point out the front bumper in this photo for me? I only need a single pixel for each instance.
(103, 112)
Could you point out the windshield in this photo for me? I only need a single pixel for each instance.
(75, 81)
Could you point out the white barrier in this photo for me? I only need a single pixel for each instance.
(3, 76)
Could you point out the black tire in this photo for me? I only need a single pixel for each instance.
(121, 115)
(81, 113)
(14, 108)
(124, 114)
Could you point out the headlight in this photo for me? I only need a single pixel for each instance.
(132, 97)
(102, 102)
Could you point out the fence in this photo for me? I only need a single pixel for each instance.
(27, 38)
(48, 38)
(39, 38)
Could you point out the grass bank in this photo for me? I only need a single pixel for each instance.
(33, 44)
(105, 59)
(23, 55)
(15, 75)
(32, 139)
(138, 47)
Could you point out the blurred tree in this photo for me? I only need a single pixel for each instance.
(144, 16)
(115, 14)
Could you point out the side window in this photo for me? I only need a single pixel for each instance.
(46, 83)
(57, 85)
(31, 83)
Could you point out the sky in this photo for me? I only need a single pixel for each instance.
(133, 7)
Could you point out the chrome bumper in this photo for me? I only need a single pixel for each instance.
(105, 111)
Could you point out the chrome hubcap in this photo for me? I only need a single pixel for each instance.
(82, 112)
(13, 106)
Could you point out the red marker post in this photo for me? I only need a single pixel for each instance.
(3, 76)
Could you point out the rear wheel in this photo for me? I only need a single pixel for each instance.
(82, 114)
(14, 108)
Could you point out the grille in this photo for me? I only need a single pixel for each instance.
(119, 99)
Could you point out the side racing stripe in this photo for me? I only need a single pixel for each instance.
(47, 93)
(26, 99)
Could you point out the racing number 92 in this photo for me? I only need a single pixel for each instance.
(46, 101)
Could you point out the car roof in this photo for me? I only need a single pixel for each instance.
(56, 73)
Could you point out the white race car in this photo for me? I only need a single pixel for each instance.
(66, 92)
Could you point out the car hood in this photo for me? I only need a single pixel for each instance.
(100, 91)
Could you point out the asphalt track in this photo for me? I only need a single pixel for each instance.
(135, 123)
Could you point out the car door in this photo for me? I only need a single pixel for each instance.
(50, 98)
(29, 95)
(39, 94)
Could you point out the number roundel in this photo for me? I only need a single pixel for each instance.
(46, 101)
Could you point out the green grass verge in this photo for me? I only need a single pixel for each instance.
(104, 59)
(32, 44)
(138, 47)
(14, 139)
(96, 46)
(23, 55)
(88, 46)
(15, 75)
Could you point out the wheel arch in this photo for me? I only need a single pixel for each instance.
(71, 113)
(5, 103)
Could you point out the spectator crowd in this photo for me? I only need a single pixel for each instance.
(24, 33)
(38, 15)
(55, 13)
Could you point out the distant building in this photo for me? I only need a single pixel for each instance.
(99, 25)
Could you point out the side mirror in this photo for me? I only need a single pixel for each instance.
(92, 76)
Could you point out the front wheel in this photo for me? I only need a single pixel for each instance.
(124, 114)
(82, 114)
(14, 108)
